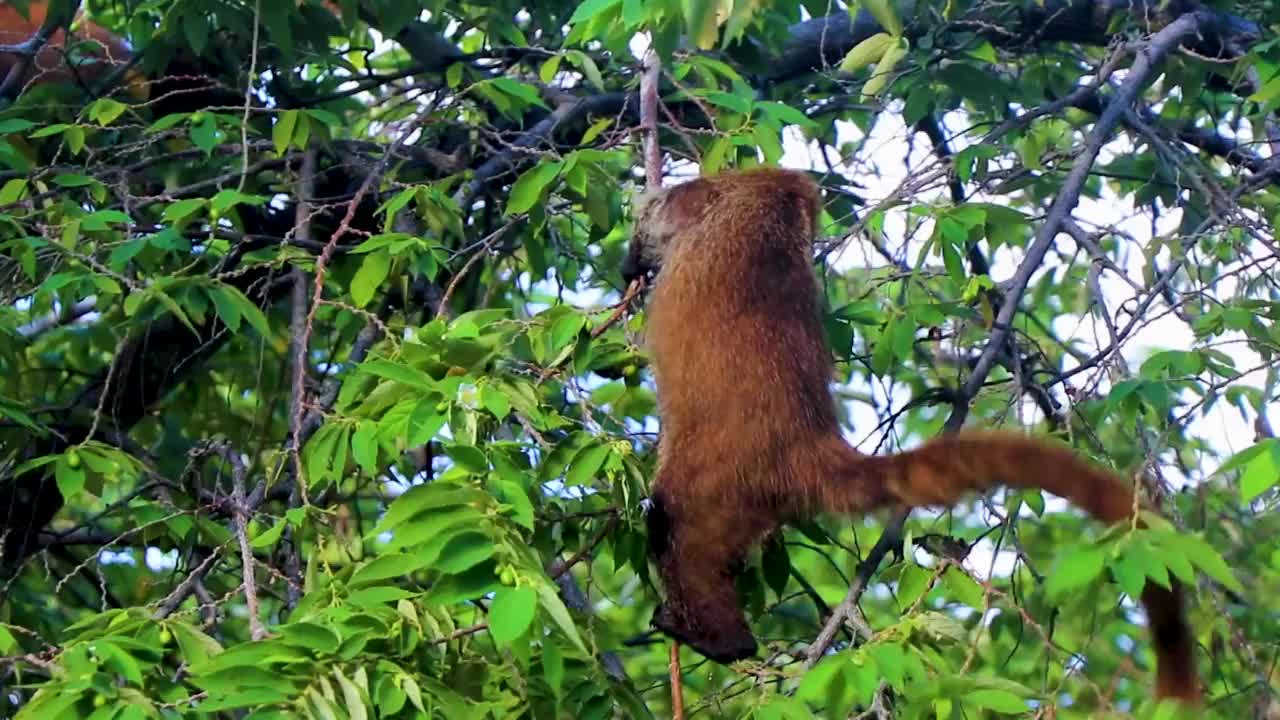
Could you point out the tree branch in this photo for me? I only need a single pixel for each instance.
(1144, 65)
(820, 43)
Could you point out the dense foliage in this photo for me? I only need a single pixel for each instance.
(317, 397)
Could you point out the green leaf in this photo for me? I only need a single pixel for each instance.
(401, 373)
(469, 458)
(115, 658)
(1203, 555)
(69, 474)
(75, 137)
(464, 551)
(591, 8)
(825, 682)
(963, 587)
(495, 401)
(784, 114)
(1075, 568)
(1129, 575)
(913, 583)
(354, 702)
(1261, 474)
(585, 464)
(72, 180)
(364, 447)
(387, 566)
(885, 14)
(104, 111)
(270, 536)
(12, 191)
(552, 665)
(700, 19)
(371, 275)
(228, 296)
(565, 329)
(428, 532)
(588, 67)
(511, 613)
(548, 69)
(196, 646)
(999, 700)
(524, 91)
(9, 126)
(866, 52)
(424, 422)
(420, 498)
(282, 131)
(182, 209)
(204, 134)
(551, 603)
(1267, 92)
(317, 454)
(776, 564)
(528, 189)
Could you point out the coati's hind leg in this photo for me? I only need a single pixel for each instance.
(698, 548)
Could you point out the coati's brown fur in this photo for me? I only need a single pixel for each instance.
(750, 437)
(96, 59)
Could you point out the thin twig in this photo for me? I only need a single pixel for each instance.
(466, 268)
(560, 568)
(187, 586)
(240, 512)
(631, 292)
(677, 687)
(848, 607)
(248, 95)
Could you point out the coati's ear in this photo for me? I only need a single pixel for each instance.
(799, 198)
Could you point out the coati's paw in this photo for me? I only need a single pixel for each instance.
(721, 644)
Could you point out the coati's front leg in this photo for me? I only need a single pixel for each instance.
(697, 548)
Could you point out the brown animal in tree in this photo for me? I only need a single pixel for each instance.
(98, 52)
(750, 437)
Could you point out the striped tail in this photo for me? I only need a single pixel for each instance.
(943, 471)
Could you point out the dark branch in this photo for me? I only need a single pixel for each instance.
(820, 43)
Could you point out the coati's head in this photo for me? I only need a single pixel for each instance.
(760, 197)
(661, 218)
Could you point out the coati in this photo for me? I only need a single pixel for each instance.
(99, 51)
(750, 437)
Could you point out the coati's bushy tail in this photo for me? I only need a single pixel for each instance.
(945, 470)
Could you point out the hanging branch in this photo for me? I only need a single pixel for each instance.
(652, 152)
(649, 119)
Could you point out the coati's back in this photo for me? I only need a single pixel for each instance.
(733, 322)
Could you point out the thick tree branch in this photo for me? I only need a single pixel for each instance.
(820, 43)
